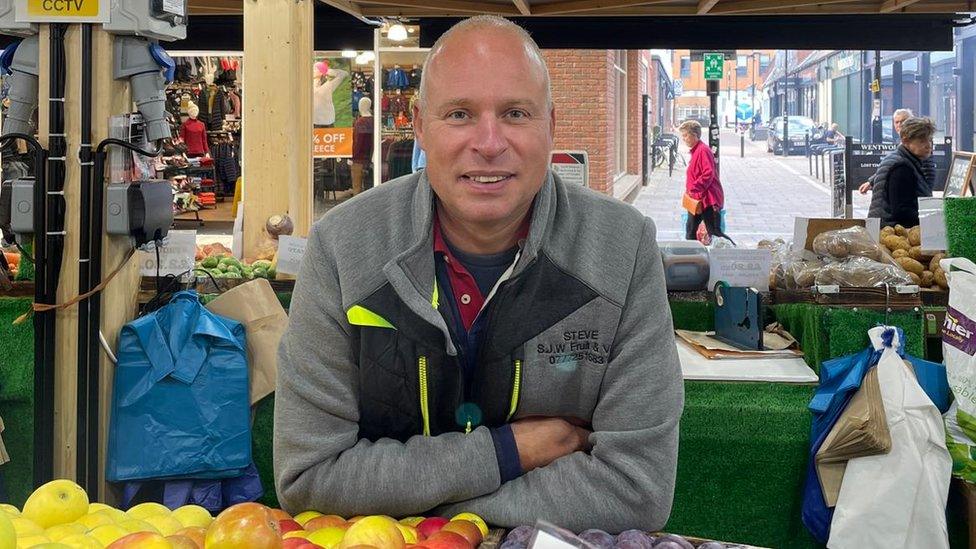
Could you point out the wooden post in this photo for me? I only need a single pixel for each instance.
(277, 133)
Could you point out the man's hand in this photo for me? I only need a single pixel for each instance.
(864, 188)
(542, 440)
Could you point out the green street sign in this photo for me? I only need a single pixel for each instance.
(714, 65)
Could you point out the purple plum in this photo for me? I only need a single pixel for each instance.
(629, 544)
(638, 536)
(510, 544)
(669, 545)
(681, 542)
(712, 545)
(520, 534)
(597, 538)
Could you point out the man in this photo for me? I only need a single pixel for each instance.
(928, 164)
(480, 336)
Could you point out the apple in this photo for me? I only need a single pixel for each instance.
(296, 534)
(96, 519)
(244, 526)
(147, 509)
(9, 509)
(447, 540)
(136, 525)
(409, 533)
(193, 515)
(280, 515)
(195, 533)
(305, 516)
(8, 536)
(411, 521)
(141, 540)
(57, 502)
(327, 537)
(298, 543)
(430, 526)
(466, 529)
(325, 521)
(61, 531)
(166, 524)
(378, 531)
(182, 542)
(480, 522)
(31, 541)
(82, 541)
(108, 533)
(25, 527)
(288, 525)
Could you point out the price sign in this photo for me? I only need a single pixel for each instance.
(748, 268)
(332, 142)
(62, 11)
(291, 250)
(176, 256)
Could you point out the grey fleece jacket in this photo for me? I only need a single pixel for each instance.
(611, 362)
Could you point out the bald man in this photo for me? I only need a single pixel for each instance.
(481, 336)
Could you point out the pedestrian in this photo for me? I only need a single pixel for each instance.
(464, 338)
(702, 184)
(900, 178)
(928, 165)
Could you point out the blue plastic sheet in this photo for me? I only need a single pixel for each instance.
(180, 402)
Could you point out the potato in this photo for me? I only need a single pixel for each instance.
(916, 280)
(915, 236)
(928, 279)
(901, 231)
(899, 253)
(910, 265)
(934, 263)
(915, 252)
(895, 243)
(885, 231)
(941, 280)
(806, 278)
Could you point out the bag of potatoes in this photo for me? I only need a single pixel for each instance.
(863, 273)
(850, 242)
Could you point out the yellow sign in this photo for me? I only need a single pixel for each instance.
(65, 10)
(875, 86)
(332, 142)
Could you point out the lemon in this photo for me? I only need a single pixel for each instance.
(57, 502)
(108, 533)
(193, 515)
(136, 525)
(61, 531)
(94, 520)
(9, 509)
(82, 541)
(25, 527)
(147, 509)
(95, 507)
(50, 545)
(30, 541)
(166, 524)
(328, 537)
(8, 536)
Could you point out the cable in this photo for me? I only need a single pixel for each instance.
(125, 144)
(106, 348)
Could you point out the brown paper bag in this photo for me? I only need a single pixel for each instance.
(255, 305)
(861, 430)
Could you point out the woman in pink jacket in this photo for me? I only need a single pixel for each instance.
(702, 184)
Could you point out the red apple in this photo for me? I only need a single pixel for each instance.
(287, 525)
(467, 529)
(431, 526)
(325, 521)
(298, 543)
(197, 534)
(146, 540)
(447, 540)
(281, 515)
(182, 542)
(244, 526)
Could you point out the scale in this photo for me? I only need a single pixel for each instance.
(739, 316)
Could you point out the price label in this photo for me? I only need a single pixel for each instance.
(176, 256)
(746, 268)
(291, 250)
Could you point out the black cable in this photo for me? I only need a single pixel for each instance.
(125, 144)
(164, 291)
(23, 253)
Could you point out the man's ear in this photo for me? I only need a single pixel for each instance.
(418, 124)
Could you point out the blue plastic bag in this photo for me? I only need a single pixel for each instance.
(180, 402)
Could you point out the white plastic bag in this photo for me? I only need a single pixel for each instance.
(897, 500)
(959, 350)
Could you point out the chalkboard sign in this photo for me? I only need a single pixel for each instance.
(866, 157)
(838, 184)
(959, 182)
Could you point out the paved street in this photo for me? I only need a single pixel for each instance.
(763, 194)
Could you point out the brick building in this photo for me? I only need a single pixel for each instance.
(743, 76)
(598, 95)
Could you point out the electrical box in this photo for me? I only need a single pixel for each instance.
(142, 210)
(156, 19)
(22, 206)
(8, 21)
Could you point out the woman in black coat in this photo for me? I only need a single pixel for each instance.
(900, 178)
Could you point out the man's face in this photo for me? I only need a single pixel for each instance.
(486, 127)
(897, 121)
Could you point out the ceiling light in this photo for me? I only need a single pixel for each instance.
(397, 33)
(349, 54)
(368, 56)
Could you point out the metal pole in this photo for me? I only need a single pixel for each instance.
(742, 145)
(755, 69)
(925, 84)
(712, 87)
(876, 133)
(786, 104)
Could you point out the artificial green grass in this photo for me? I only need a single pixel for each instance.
(16, 398)
(262, 437)
(26, 270)
(805, 322)
(847, 330)
(960, 220)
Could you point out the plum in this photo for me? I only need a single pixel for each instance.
(673, 538)
(712, 545)
(510, 544)
(629, 544)
(669, 545)
(597, 538)
(638, 536)
(520, 534)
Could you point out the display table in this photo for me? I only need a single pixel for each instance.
(695, 367)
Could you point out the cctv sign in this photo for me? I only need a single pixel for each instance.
(62, 11)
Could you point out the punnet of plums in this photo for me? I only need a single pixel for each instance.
(519, 537)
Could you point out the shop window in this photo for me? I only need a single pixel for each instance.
(763, 63)
(685, 66)
(620, 93)
(742, 65)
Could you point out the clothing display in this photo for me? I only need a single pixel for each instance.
(396, 103)
(227, 166)
(398, 157)
(396, 78)
(362, 140)
(415, 77)
(401, 120)
(193, 132)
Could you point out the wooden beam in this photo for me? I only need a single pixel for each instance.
(215, 7)
(453, 6)
(892, 5)
(575, 6)
(277, 137)
(745, 6)
(119, 305)
(523, 7)
(704, 6)
(344, 5)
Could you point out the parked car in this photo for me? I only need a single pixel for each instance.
(799, 126)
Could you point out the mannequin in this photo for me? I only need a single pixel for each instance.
(193, 132)
(362, 143)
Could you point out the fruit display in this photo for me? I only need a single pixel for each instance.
(519, 538)
(227, 266)
(13, 262)
(904, 245)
